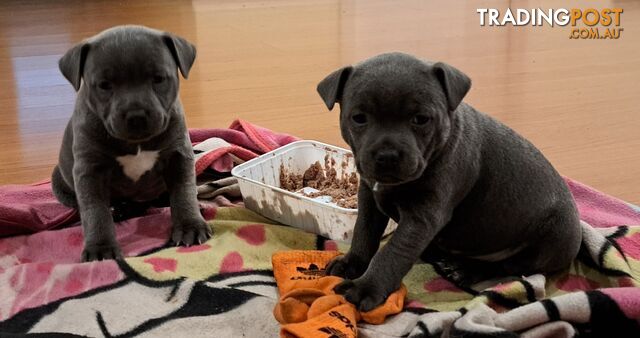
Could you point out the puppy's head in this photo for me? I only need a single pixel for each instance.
(395, 112)
(129, 78)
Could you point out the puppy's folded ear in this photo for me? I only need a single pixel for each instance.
(184, 53)
(72, 64)
(330, 89)
(454, 82)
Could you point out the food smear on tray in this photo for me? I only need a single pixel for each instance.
(322, 183)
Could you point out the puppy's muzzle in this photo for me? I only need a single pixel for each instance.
(137, 121)
(386, 164)
(386, 159)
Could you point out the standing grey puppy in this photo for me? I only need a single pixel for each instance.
(127, 137)
(467, 192)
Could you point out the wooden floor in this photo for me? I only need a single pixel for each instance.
(577, 100)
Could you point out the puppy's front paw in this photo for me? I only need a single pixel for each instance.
(365, 296)
(191, 232)
(98, 252)
(346, 266)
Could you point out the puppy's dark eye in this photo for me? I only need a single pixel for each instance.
(105, 85)
(158, 79)
(359, 118)
(420, 120)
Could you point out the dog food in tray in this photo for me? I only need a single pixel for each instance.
(305, 184)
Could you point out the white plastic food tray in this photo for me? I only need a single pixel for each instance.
(259, 181)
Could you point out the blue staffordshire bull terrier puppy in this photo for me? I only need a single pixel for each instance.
(127, 137)
(469, 194)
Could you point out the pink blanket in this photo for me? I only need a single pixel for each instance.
(26, 209)
(39, 266)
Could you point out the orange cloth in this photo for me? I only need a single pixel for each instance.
(309, 308)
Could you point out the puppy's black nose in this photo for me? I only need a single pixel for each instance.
(387, 156)
(137, 120)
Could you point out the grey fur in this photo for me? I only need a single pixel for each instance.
(462, 186)
(127, 83)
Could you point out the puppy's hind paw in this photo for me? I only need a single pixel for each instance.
(191, 233)
(464, 274)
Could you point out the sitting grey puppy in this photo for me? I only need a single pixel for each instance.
(127, 137)
(467, 192)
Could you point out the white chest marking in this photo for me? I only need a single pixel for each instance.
(134, 166)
